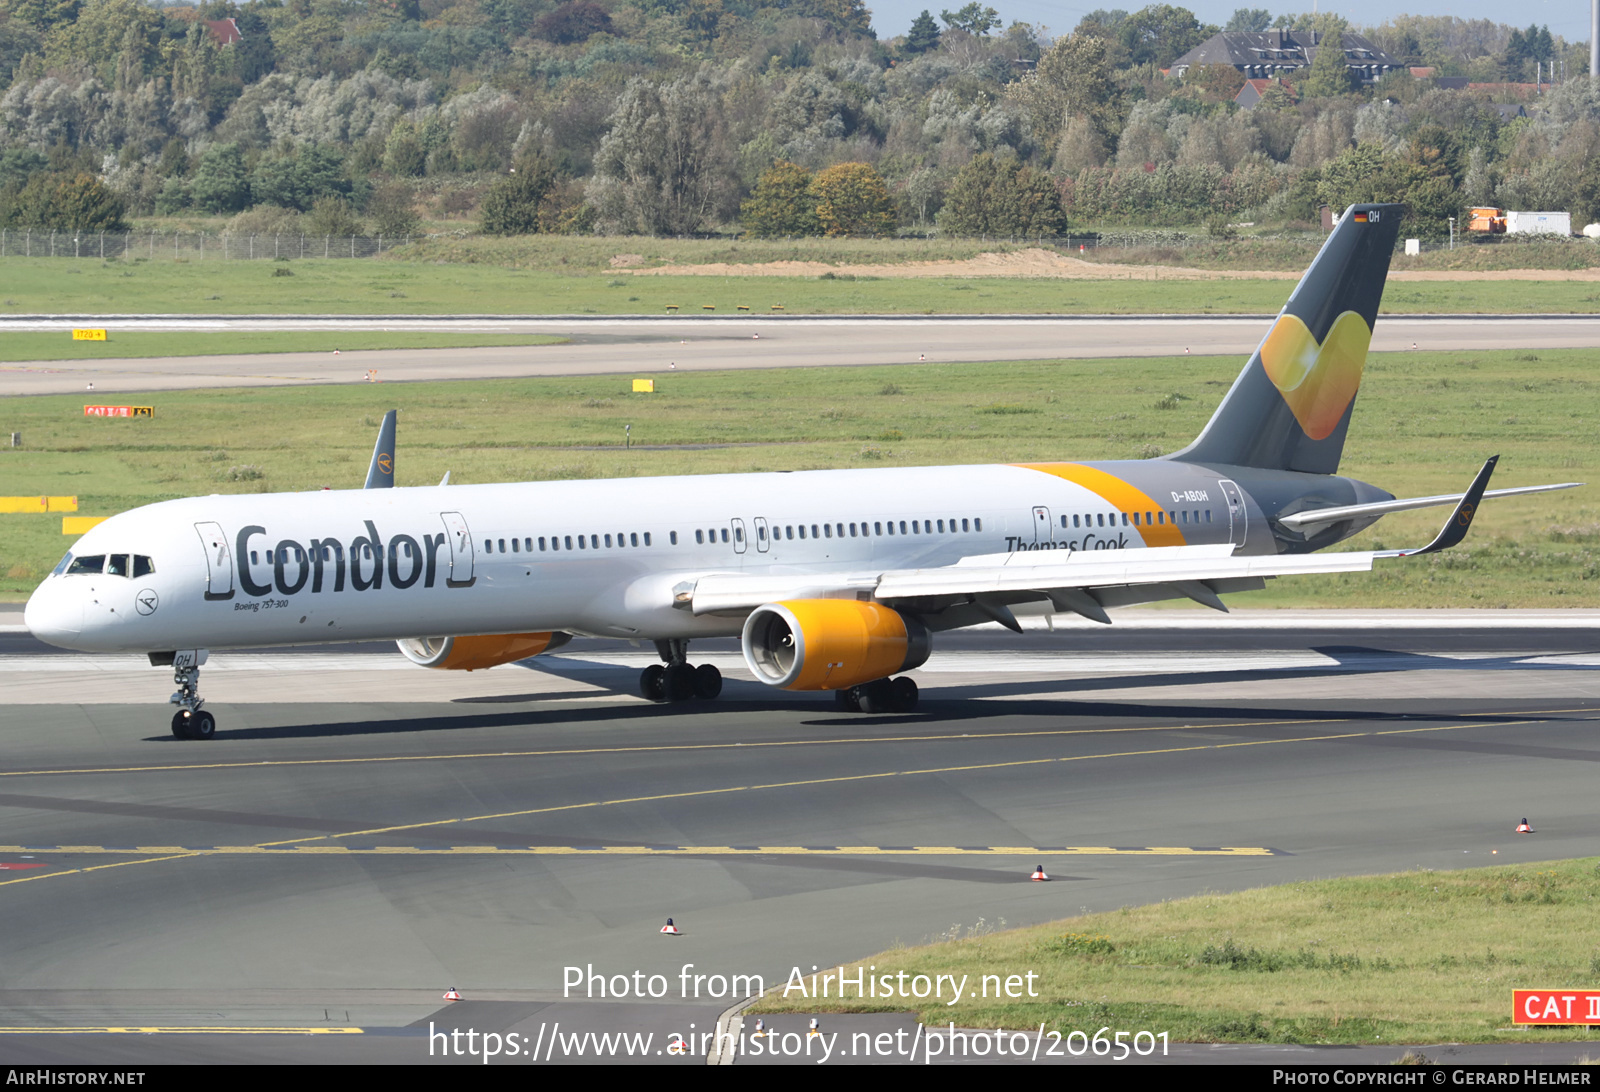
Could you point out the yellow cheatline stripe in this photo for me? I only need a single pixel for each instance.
(1123, 496)
(133, 1029)
(572, 752)
(681, 851)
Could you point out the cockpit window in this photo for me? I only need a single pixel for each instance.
(61, 566)
(85, 565)
(117, 565)
(142, 566)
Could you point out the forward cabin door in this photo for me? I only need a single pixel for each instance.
(219, 561)
(458, 538)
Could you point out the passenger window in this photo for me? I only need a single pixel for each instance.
(877, 528)
(142, 566)
(802, 530)
(890, 525)
(673, 537)
(253, 559)
(724, 534)
(527, 545)
(977, 525)
(852, 530)
(903, 526)
(788, 531)
(647, 538)
(541, 544)
(117, 565)
(569, 541)
(814, 531)
(488, 546)
(827, 530)
(86, 565)
(700, 537)
(502, 545)
(840, 528)
(514, 545)
(964, 527)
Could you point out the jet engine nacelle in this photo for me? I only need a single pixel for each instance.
(831, 644)
(472, 653)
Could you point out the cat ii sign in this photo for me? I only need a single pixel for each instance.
(1555, 1006)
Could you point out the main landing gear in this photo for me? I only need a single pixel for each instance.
(675, 679)
(190, 721)
(879, 696)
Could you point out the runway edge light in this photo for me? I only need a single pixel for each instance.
(1038, 874)
(671, 929)
(452, 994)
(1524, 828)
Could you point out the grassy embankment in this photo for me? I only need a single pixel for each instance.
(1414, 957)
(474, 277)
(1423, 424)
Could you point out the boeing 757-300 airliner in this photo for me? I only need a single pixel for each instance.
(833, 579)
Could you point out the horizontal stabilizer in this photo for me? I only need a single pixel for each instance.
(1320, 516)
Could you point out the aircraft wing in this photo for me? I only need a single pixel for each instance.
(1073, 581)
(1084, 582)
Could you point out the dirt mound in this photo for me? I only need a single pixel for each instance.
(1037, 262)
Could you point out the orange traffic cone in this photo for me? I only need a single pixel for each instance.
(1524, 828)
(451, 994)
(1038, 874)
(671, 928)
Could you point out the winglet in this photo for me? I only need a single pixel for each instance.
(380, 475)
(1455, 528)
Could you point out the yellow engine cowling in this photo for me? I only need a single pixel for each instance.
(830, 644)
(473, 653)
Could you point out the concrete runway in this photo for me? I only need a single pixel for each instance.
(336, 861)
(650, 346)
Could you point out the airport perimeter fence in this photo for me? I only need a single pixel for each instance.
(231, 246)
(194, 245)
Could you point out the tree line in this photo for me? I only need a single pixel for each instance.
(776, 117)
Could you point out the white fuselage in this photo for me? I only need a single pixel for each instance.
(600, 558)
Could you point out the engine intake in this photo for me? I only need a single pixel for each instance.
(473, 653)
(831, 644)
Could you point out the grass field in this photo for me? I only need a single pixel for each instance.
(392, 286)
(1414, 957)
(28, 345)
(1423, 424)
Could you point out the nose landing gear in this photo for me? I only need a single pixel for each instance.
(676, 679)
(190, 721)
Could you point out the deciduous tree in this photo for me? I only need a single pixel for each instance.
(853, 200)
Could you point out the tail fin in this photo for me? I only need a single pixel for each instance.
(380, 474)
(1290, 407)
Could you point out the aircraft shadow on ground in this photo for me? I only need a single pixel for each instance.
(957, 704)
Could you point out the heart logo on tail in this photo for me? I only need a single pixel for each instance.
(1317, 381)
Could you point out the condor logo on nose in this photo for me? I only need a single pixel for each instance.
(325, 564)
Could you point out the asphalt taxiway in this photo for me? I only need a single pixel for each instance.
(342, 852)
(653, 346)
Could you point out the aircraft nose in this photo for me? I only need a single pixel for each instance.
(54, 614)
